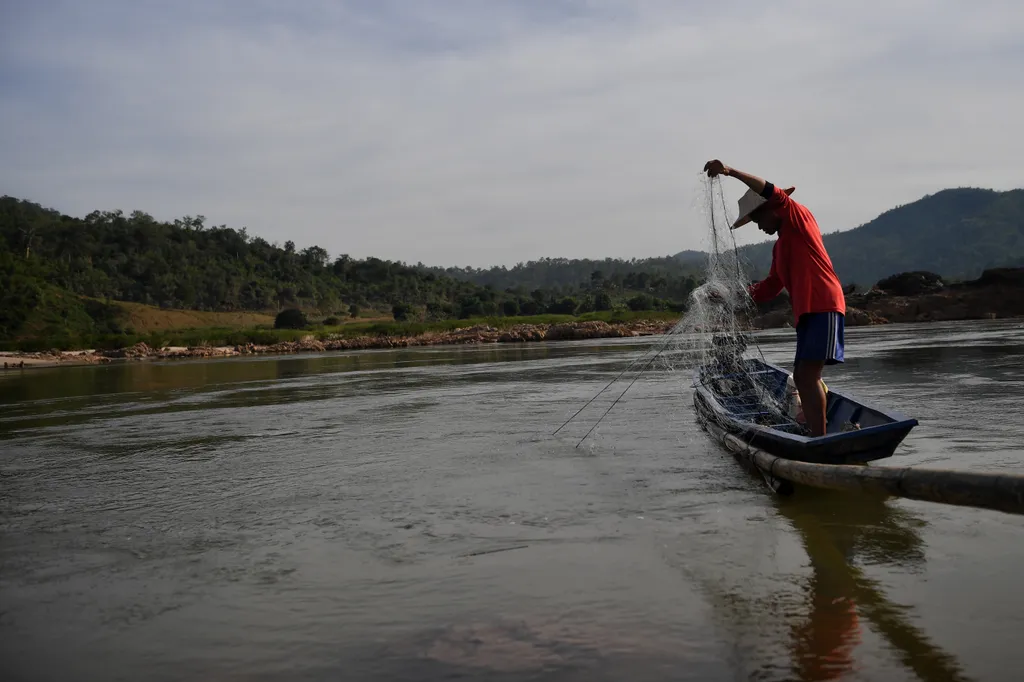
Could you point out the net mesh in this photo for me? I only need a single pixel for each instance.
(713, 339)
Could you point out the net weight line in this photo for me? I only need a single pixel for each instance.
(607, 386)
(615, 402)
(716, 263)
(660, 350)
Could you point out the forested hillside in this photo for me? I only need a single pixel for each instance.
(666, 273)
(58, 275)
(956, 233)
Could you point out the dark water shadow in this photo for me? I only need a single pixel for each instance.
(839, 531)
(934, 360)
(78, 395)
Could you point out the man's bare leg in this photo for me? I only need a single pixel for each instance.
(807, 377)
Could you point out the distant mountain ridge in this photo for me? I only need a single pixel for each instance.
(58, 273)
(956, 233)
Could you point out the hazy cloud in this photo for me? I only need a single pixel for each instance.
(473, 132)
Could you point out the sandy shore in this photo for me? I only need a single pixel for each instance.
(15, 361)
(467, 336)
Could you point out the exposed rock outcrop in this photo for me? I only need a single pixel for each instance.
(997, 294)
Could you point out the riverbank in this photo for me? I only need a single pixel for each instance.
(909, 298)
(476, 334)
(922, 297)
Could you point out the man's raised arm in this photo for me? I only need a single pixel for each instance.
(716, 167)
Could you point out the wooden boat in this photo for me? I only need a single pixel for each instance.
(742, 397)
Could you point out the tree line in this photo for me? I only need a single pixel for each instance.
(614, 273)
(47, 260)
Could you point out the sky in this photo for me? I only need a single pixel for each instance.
(490, 132)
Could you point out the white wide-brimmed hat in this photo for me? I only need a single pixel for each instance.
(749, 203)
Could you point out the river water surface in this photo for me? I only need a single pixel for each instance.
(407, 515)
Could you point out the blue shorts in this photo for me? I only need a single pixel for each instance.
(819, 336)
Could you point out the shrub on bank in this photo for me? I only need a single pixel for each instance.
(290, 318)
(223, 336)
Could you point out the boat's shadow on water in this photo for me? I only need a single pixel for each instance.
(843, 534)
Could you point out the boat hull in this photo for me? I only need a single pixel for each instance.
(879, 434)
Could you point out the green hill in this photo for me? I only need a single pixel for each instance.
(956, 233)
(59, 275)
(665, 275)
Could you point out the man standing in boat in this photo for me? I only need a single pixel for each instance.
(801, 265)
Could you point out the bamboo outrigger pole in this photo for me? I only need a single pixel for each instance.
(1000, 492)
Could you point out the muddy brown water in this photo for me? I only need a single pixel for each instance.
(407, 515)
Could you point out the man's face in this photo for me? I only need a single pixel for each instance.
(766, 220)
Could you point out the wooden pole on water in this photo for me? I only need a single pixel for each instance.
(1000, 492)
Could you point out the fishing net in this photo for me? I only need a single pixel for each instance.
(713, 340)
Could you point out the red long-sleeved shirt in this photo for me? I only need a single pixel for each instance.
(799, 261)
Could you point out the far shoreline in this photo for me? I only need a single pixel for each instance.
(476, 335)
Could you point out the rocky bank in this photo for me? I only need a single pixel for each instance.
(908, 297)
(924, 297)
(522, 333)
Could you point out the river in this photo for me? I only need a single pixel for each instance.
(407, 515)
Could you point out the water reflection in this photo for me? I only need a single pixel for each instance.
(76, 395)
(838, 531)
(314, 515)
(939, 358)
(168, 375)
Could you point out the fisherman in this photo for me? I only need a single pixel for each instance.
(801, 265)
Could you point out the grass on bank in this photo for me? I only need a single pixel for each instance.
(147, 319)
(266, 335)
